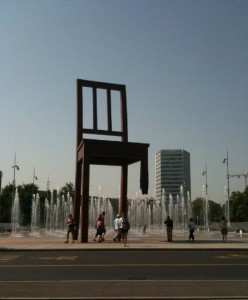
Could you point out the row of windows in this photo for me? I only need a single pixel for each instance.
(172, 166)
(174, 176)
(171, 173)
(174, 152)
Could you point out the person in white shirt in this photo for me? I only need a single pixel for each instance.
(124, 227)
(117, 229)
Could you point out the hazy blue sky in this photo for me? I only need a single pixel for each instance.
(184, 64)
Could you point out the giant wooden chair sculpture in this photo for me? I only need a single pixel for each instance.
(104, 152)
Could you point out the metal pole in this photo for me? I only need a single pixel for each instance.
(1, 174)
(34, 178)
(206, 195)
(228, 192)
(14, 181)
(228, 188)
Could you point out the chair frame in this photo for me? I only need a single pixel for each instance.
(104, 152)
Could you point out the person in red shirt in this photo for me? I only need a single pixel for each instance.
(100, 228)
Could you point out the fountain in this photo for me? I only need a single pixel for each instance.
(183, 212)
(98, 205)
(149, 211)
(35, 215)
(163, 208)
(189, 205)
(205, 208)
(15, 214)
(56, 213)
(171, 206)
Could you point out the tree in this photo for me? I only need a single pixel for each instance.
(26, 192)
(198, 210)
(239, 206)
(6, 199)
(68, 188)
(215, 211)
(214, 214)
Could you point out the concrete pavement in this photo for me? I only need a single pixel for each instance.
(152, 240)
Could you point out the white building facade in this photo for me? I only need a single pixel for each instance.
(172, 174)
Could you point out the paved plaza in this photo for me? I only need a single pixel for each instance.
(152, 240)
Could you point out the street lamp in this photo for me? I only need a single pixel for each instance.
(34, 178)
(15, 167)
(1, 175)
(205, 173)
(225, 160)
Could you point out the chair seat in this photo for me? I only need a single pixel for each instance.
(112, 153)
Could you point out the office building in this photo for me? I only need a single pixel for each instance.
(172, 171)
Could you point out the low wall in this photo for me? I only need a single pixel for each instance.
(234, 226)
(5, 227)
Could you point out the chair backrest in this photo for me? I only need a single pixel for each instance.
(100, 92)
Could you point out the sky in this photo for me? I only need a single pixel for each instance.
(185, 67)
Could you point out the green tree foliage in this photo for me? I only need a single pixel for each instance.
(198, 210)
(6, 199)
(215, 211)
(239, 206)
(68, 188)
(198, 206)
(26, 192)
(43, 196)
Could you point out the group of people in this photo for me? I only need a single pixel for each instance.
(122, 226)
(192, 226)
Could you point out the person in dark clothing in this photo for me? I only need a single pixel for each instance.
(169, 226)
(71, 228)
(223, 226)
(103, 225)
(191, 227)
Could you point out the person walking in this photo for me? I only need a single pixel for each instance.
(99, 229)
(103, 225)
(117, 229)
(191, 227)
(223, 226)
(144, 229)
(124, 227)
(71, 228)
(169, 227)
